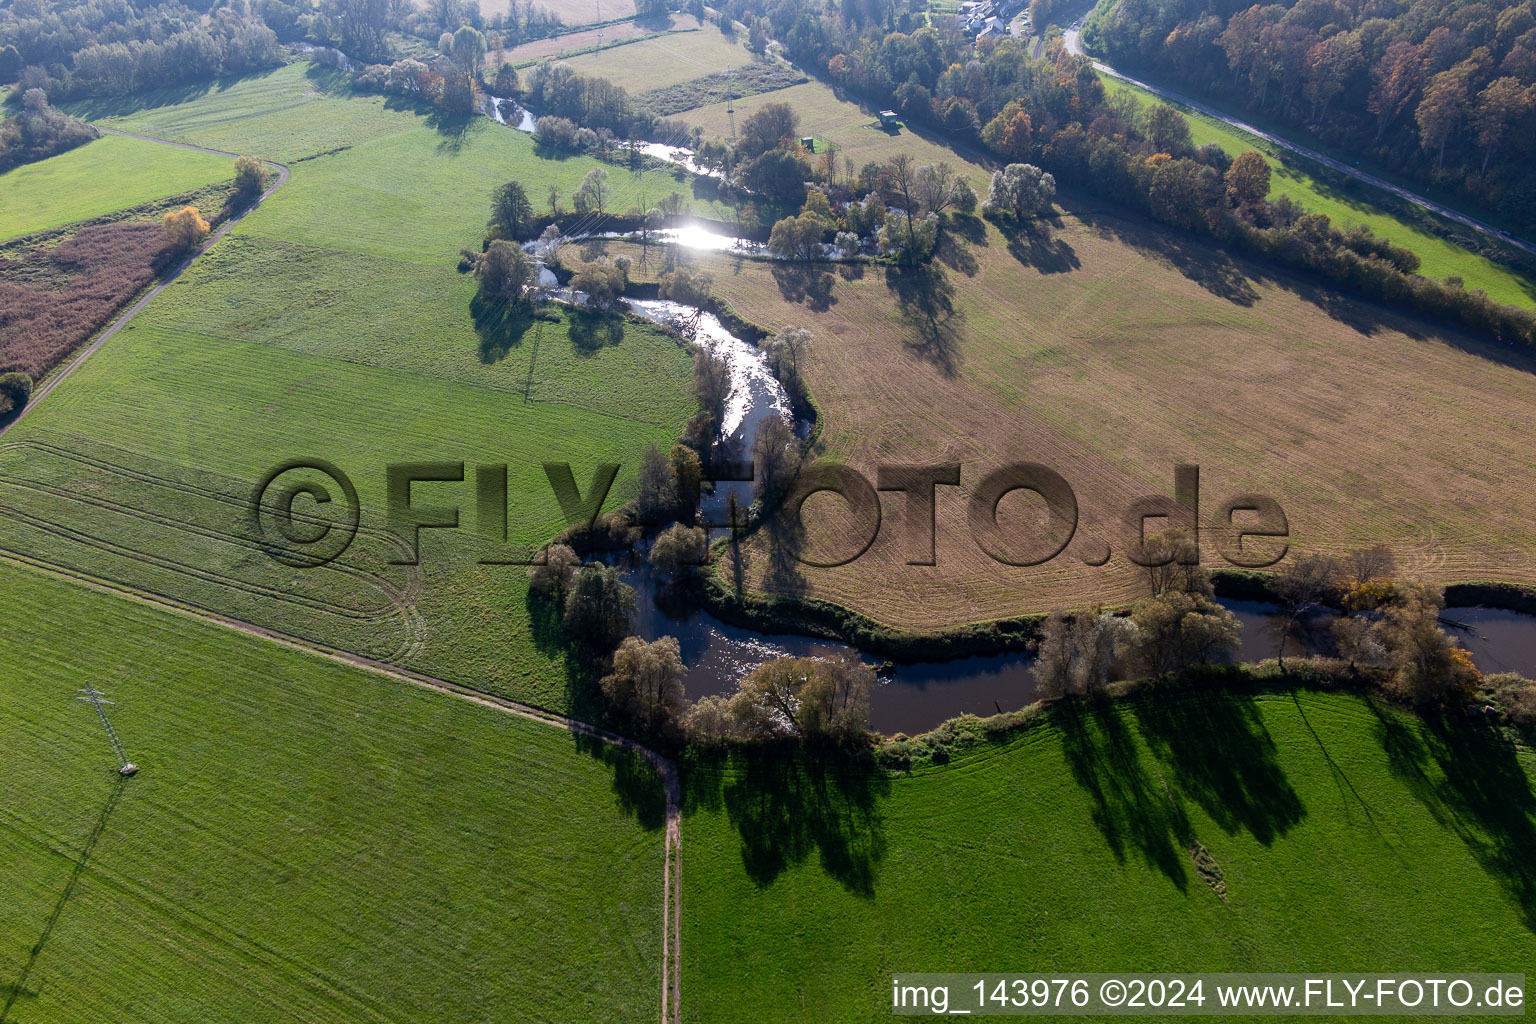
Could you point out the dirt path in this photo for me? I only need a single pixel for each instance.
(144, 300)
(671, 966)
(1074, 45)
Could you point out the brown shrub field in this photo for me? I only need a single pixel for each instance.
(55, 296)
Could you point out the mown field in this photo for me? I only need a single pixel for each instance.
(111, 173)
(855, 132)
(1439, 258)
(333, 324)
(571, 12)
(540, 49)
(305, 841)
(665, 60)
(1346, 836)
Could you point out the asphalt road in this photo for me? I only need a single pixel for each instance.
(1074, 45)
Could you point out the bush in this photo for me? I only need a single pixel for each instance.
(185, 227)
(15, 390)
(249, 177)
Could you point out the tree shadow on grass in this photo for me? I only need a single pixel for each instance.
(1032, 243)
(1221, 756)
(500, 324)
(952, 251)
(1470, 778)
(638, 788)
(926, 298)
(1197, 260)
(592, 330)
(789, 802)
(807, 283)
(1132, 809)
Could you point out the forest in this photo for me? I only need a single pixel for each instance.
(1440, 90)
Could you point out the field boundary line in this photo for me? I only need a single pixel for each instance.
(116, 325)
(671, 969)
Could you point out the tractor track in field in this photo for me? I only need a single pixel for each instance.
(671, 966)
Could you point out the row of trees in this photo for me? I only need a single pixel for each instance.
(38, 131)
(1446, 92)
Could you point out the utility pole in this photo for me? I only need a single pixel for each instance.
(96, 699)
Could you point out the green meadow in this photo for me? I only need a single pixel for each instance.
(305, 841)
(111, 173)
(1438, 257)
(334, 324)
(1345, 836)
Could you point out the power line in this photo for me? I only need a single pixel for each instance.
(98, 700)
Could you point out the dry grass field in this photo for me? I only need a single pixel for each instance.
(1109, 351)
(667, 60)
(540, 49)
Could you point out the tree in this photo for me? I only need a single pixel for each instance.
(248, 177)
(646, 684)
(1176, 630)
(834, 699)
(657, 500)
(1442, 111)
(593, 190)
(1248, 179)
(679, 549)
(778, 174)
(15, 391)
(363, 23)
(687, 285)
(1172, 561)
(1426, 664)
(10, 64)
(1363, 566)
(1166, 129)
(511, 212)
(1358, 641)
(688, 477)
(1395, 79)
(712, 383)
(598, 609)
(1010, 133)
(1020, 190)
(785, 352)
(797, 238)
(468, 49)
(552, 576)
(769, 125)
(602, 283)
(938, 188)
(1074, 654)
(185, 227)
(775, 456)
(812, 698)
(1301, 584)
(1499, 107)
(504, 271)
(910, 240)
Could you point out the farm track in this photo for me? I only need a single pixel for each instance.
(671, 968)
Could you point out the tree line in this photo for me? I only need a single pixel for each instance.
(1444, 92)
(1055, 113)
